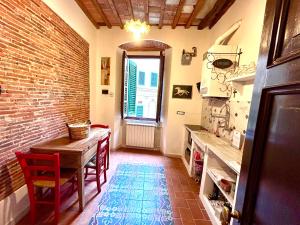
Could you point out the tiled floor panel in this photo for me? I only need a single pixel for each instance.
(183, 193)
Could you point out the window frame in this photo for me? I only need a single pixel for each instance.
(160, 74)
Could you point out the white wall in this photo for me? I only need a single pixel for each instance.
(13, 207)
(107, 107)
(247, 37)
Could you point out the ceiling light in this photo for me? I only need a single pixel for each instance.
(137, 27)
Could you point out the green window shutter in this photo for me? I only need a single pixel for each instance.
(132, 88)
(139, 111)
(141, 78)
(154, 79)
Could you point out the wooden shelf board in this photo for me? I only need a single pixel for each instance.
(227, 196)
(211, 211)
(243, 78)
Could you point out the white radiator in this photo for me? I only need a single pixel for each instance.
(140, 135)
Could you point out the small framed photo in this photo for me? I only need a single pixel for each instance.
(105, 70)
(182, 91)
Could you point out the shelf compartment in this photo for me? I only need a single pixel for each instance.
(214, 176)
(211, 211)
(242, 78)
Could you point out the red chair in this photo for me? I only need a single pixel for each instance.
(98, 163)
(105, 127)
(43, 171)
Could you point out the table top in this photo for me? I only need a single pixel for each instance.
(66, 145)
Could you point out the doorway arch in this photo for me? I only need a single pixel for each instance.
(145, 45)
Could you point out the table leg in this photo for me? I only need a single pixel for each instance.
(107, 163)
(80, 180)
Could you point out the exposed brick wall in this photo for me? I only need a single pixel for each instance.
(44, 65)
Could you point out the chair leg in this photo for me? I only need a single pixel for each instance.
(32, 213)
(86, 172)
(98, 180)
(32, 201)
(107, 163)
(57, 204)
(104, 175)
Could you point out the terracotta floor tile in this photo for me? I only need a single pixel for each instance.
(186, 215)
(178, 222)
(176, 213)
(179, 184)
(179, 203)
(202, 222)
(195, 210)
(205, 214)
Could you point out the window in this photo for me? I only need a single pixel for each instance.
(154, 77)
(141, 95)
(141, 78)
(139, 111)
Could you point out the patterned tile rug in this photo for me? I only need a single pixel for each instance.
(137, 195)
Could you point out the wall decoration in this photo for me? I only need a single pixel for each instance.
(214, 112)
(182, 91)
(105, 70)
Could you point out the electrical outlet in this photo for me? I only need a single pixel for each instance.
(181, 113)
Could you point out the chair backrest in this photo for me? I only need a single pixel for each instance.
(41, 167)
(102, 149)
(99, 126)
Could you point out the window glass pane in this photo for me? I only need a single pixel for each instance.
(141, 78)
(142, 83)
(154, 79)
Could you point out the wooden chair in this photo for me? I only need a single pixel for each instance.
(108, 152)
(43, 171)
(98, 163)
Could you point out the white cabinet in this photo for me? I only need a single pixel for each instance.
(221, 161)
(211, 83)
(190, 147)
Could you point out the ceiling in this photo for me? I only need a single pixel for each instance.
(187, 13)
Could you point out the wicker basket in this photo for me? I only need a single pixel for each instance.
(79, 131)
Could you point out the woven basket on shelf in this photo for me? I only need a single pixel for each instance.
(79, 131)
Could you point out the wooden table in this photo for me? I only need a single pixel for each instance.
(74, 154)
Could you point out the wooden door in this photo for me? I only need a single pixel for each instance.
(269, 187)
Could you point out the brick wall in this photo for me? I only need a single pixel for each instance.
(44, 65)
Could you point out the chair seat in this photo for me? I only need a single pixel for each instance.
(92, 162)
(65, 176)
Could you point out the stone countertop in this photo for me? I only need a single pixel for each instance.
(222, 149)
(194, 127)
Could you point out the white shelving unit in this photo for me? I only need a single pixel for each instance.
(243, 78)
(220, 161)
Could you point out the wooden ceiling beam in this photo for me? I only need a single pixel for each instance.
(199, 5)
(130, 9)
(100, 11)
(211, 15)
(146, 9)
(221, 13)
(162, 11)
(178, 13)
(115, 11)
(86, 12)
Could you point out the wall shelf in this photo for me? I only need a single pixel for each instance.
(243, 78)
(227, 195)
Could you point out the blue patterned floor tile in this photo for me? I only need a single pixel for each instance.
(137, 195)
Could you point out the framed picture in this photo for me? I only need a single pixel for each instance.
(182, 91)
(105, 70)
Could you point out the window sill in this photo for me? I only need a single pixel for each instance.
(141, 122)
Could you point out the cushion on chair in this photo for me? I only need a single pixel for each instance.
(65, 176)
